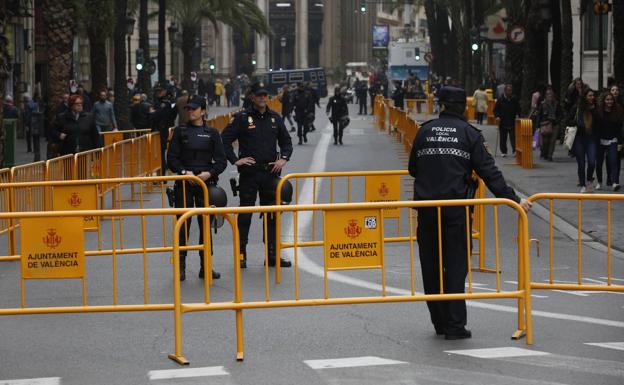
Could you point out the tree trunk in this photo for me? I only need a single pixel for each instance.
(162, 30)
(121, 90)
(144, 77)
(97, 56)
(618, 40)
(534, 56)
(437, 26)
(189, 35)
(555, 52)
(4, 61)
(514, 53)
(60, 20)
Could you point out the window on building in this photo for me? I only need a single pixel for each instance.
(279, 78)
(295, 77)
(590, 30)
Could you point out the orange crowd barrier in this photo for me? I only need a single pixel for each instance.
(524, 143)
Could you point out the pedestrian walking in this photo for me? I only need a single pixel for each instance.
(338, 113)
(141, 113)
(398, 95)
(30, 107)
(75, 130)
(259, 132)
(480, 103)
(586, 140)
(548, 117)
(287, 106)
(104, 114)
(609, 126)
(228, 92)
(506, 110)
(442, 169)
(361, 92)
(313, 102)
(181, 102)
(301, 106)
(218, 91)
(196, 149)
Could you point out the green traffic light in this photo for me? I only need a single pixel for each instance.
(212, 67)
(253, 62)
(139, 67)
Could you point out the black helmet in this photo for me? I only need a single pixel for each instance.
(217, 196)
(286, 193)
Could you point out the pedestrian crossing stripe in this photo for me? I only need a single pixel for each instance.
(33, 381)
(351, 362)
(503, 352)
(608, 345)
(187, 373)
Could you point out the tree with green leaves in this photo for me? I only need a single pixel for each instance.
(244, 15)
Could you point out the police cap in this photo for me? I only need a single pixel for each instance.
(196, 102)
(258, 89)
(450, 94)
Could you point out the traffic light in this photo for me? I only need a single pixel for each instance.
(363, 6)
(475, 38)
(211, 66)
(417, 53)
(139, 59)
(253, 60)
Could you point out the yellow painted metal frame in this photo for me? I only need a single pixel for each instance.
(551, 198)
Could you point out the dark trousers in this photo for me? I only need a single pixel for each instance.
(547, 147)
(363, 106)
(585, 150)
(302, 129)
(480, 116)
(504, 133)
(289, 118)
(613, 163)
(254, 182)
(338, 130)
(191, 196)
(447, 316)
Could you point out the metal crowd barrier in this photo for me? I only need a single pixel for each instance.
(550, 199)
(524, 143)
(335, 215)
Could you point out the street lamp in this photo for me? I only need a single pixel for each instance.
(173, 34)
(129, 31)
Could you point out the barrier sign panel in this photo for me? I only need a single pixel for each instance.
(353, 239)
(382, 188)
(52, 248)
(74, 198)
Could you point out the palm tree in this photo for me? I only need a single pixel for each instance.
(618, 40)
(97, 20)
(567, 46)
(514, 53)
(119, 43)
(162, 61)
(145, 83)
(60, 21)
(242, 14)
(4, 73)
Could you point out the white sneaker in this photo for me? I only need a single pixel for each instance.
(616, 187)
(598, 186)
(504, 155)
(583, 190)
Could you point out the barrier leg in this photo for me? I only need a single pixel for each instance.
(240, 349)
(521, 286)
(177, 305)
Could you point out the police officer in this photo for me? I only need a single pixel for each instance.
(301, 106)
(444, 154)
(195, 149)
(339, 117)
(258, 131)
(313, 102)
(163, 118)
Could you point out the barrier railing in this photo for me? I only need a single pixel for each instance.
(524, 143)
(110, 137)
(356, 217)
(578, 281)
(416, 105)
(378, 186)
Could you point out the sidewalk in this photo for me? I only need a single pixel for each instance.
(559, 176)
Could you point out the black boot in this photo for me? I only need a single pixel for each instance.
(335, 141)
(300, 141)
(272, 259)
(305, 138)
(243, 261)
(340, 140)
(215, 274)
(182, 267)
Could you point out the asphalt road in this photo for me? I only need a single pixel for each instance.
(347, 344)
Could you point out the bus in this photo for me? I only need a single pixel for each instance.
(273, 81)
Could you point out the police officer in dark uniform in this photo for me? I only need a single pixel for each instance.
(339, 117)
(163, 118)
(195, 149)
(444, 154)
(259, 131)
(302, 105)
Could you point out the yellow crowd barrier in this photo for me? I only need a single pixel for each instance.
(549, 200)
(524, 143)
(336, 217)
(110, 137)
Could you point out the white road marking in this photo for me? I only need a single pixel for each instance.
(306, 264)
(608, 345)
(33, 381)
(187, 373)
(505, 352)
(613, 279)
(352, 362)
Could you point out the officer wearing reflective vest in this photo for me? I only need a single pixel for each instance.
(259, 132)
(444, 155)
(196, 149)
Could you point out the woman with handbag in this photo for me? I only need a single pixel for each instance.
(585, 141)
(610, 140)
(549, 116)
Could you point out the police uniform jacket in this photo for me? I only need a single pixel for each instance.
(443, 156)
(196, 149)
(338, 106)
(258, 135)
